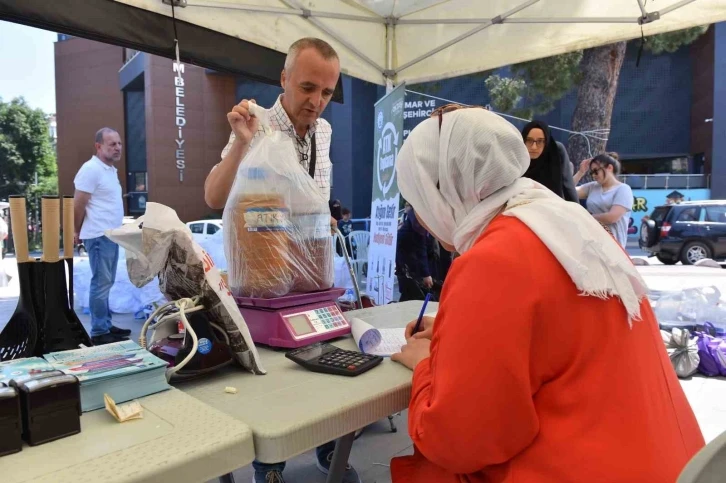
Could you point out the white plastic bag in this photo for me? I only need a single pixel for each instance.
(214, 245)
(276, 224)
(164, 246)
(682, 350)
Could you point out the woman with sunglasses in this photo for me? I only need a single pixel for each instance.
(549, 163)
(609, 201)
(544, 362)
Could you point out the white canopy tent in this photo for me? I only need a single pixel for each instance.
(391, 41)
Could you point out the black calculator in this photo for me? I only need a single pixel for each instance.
(328, 359)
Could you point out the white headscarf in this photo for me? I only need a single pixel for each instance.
(477, 160)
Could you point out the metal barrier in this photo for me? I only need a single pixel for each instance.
(667, 181)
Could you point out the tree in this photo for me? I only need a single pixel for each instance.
(595, 98)
(672, 41)
(595, 72)
(25, 149)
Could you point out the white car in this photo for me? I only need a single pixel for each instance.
(203, 229)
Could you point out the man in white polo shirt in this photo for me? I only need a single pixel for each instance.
(99, 207)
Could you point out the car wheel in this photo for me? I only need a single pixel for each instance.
(665, 260)
(694, 252)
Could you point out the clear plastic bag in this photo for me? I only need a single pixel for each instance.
(690, 308)
(276, 224)
(682, 350)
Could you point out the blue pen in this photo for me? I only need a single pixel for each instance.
(420, 316)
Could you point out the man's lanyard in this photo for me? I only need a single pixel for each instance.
(313, 156)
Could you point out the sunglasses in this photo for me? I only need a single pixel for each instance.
(595, 172)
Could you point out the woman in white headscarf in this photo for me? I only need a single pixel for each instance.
(544, 362)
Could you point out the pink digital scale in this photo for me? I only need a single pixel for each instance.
(294, 320)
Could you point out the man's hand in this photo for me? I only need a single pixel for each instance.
(428, 282)
(243, 124)
(76, 239)
(413, 352)
(425, 331)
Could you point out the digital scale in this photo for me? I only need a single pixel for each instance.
(294, 320)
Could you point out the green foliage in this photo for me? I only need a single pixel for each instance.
(672, 41)
(505, 92)
(538, 84)
(25, 149)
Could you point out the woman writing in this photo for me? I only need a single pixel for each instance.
(544, 362)
(608, 200)
(549, 163)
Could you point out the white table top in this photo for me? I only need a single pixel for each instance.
(292, 410)
(178, 440)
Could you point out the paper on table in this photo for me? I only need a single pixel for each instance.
(379, 342)
(124, 412)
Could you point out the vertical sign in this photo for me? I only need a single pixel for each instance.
(388, 138)
(180, 119)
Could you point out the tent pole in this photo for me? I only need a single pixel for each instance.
(285, 11)
(307, 15)
(460, 21)
(642, 8)
(465, 35)
(675, 6)
(544, 20)
(389, 73)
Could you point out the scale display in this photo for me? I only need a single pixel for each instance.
(316, 321)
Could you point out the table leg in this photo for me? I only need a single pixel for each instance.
(228, 478)
(340, 458)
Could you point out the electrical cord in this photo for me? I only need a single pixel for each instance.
(184, 306)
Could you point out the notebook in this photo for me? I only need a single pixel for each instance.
(22, 367)
(123, 370)
(379, 342)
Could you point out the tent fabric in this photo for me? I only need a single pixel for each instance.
(424, 40)
(141, 29)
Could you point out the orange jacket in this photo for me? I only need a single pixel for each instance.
(528, 381)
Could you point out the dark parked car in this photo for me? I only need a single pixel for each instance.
(686, 232)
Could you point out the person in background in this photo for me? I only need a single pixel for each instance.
(335, 210)
(549, 163)
(308, 80)
(412, 265)
(346, 228)
(3, 242)
(3, 236)
(545, 362)
(608, 200)
(406, 211)
(98, 206)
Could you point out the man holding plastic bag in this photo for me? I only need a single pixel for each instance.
(309, 78)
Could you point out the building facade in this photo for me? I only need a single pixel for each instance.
(669, 116)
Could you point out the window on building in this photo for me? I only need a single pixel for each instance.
(138, 182)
